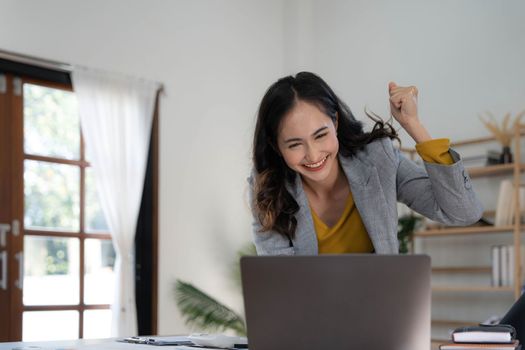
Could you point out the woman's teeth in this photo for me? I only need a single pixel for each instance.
(316, 165)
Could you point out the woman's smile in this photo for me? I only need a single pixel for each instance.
(316, 166)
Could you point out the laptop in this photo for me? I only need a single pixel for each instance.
(335, 302)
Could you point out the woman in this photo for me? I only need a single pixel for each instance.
(321, 184)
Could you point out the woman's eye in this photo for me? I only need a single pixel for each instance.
(293, 145)
(321, 135)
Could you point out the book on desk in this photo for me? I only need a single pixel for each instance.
(488, 337)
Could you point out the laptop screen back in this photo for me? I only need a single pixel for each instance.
(362, 301)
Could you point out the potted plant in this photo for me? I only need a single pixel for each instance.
(206, 313)
(406, 227)
(502, 133)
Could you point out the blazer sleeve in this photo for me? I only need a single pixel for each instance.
(268, 242)
(443, 193)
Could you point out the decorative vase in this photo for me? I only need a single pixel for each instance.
(506, 155)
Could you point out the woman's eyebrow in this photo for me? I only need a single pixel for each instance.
(319, 130)
(314, 134)
(293, 140)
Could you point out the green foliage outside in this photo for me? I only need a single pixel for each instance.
(51, 122)
(51, 128)
(51, 190)
(51, 196)
(57, 260)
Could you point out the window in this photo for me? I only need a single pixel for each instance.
(67, 246)
(57, 254)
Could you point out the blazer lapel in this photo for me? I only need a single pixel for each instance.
(370, 202)
(305, 240)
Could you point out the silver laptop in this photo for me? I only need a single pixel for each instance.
(333, 302)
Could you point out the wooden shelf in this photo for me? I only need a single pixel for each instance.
(448, 231)
(493, 170)
(473, 141)
(462, 269)
(435, 343)
(471, 289)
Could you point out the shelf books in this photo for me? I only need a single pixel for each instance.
(505, 207)
(503, 265)
(504, 204)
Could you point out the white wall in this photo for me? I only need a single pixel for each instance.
(465, 56)
(215, 58)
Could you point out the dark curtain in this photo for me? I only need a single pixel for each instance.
(144, 253)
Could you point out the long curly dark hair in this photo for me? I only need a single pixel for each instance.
(273, 205)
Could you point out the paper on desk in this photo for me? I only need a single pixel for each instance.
(118, 345)
(114, 345)
(30, 347)
(184, 347)
(167, 340)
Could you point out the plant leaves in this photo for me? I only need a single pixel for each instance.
(500, 134)
(517, 120)
(204, 312)
(506, 120)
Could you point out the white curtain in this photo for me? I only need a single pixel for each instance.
(116, 115)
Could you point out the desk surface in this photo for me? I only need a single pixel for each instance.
(83, 344)
(87, 344)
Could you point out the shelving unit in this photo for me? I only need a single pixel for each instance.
(514, 170)
(471, 289)
(469, 230)
(494, 170)
(462, 269)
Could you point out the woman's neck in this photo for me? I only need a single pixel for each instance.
(331, 187)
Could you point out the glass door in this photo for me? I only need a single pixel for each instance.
(60, 284)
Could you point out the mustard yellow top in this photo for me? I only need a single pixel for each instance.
(349, 234)
(435, 151)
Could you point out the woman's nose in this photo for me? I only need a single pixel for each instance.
(311, 154)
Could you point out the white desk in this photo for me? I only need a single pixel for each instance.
(91, 344)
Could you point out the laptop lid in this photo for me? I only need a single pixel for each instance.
(360, 301)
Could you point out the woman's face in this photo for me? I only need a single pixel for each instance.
(308, 142)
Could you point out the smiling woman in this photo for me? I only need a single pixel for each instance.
(321, 184)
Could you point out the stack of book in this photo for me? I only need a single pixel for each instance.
(503, 265)
(505, 206)
(488, 337)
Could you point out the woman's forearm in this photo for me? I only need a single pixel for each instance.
(417, 131)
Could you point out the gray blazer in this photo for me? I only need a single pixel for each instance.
(379, 176)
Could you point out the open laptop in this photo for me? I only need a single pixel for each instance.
(332, 302)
